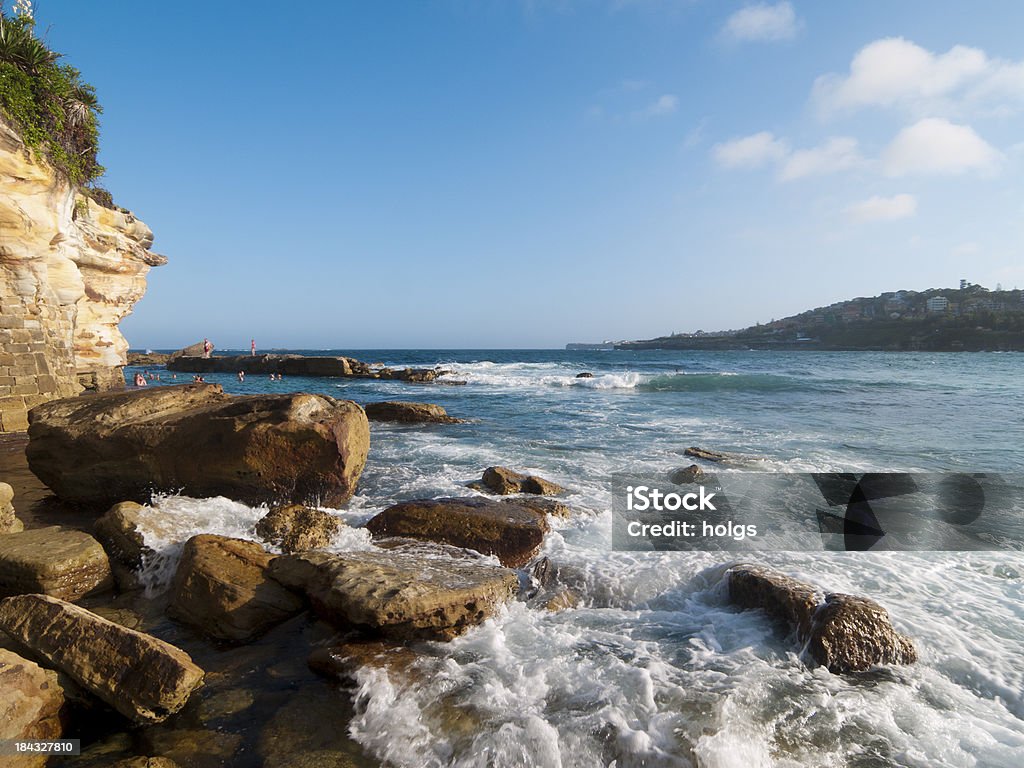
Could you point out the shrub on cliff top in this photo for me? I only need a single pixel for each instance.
(55, 112)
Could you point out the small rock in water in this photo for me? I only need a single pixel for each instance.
(687, 475)
(296, 528)
(409, 413)
(504, 481)
(585, 375)
(841, 632)
(706, 455)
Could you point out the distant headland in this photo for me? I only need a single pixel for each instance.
(968, 318)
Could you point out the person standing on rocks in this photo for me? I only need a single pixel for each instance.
(252, 348)
(207, 347)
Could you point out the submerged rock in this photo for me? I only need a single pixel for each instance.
(397, 595)
(840, 632)
(296, 528)
(409, 413)
(195, 439)
(53, 561)
(706, 455)
(143, 678)
(513, 532)
(585, 375)
(503, 481)
(9, 522)
(30, 703)
(221, 588)
(687, 475)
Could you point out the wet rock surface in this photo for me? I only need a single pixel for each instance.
(397, 595)
(513, 532)
(843, 633)
(296, 528)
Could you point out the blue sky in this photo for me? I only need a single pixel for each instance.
(524, 174)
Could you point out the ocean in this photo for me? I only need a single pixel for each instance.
(655, 668)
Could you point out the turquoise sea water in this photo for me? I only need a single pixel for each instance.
(654, 668)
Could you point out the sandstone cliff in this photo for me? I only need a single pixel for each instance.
(70, 270)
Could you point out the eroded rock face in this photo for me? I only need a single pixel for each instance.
(30, 702)
(400, 596)
(193, 438)
(9, 522)
(221, 588)
(296, 528)
(53, 561)
(409, 413)
(840, 632)
(511, 531)
(503, 481)
(852, 634)
(143, 678)
(70, 270)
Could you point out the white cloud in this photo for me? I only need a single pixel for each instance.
(837, 154)
(663, 105)
(936, 146)
(751, 151)
(762, 22)
(878, 208)
(895, 72)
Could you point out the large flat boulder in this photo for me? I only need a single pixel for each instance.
(843, 633)
(295, 528)
(194, 438)
(409, 413)
(142, 677)
(221, 588)
(30, 703)
(53, 561)
(397, 595)
(512, 532)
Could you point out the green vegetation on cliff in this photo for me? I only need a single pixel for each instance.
(55, 112)
(969, 318)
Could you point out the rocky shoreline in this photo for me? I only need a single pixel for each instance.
(302, 365)
(201, 673)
